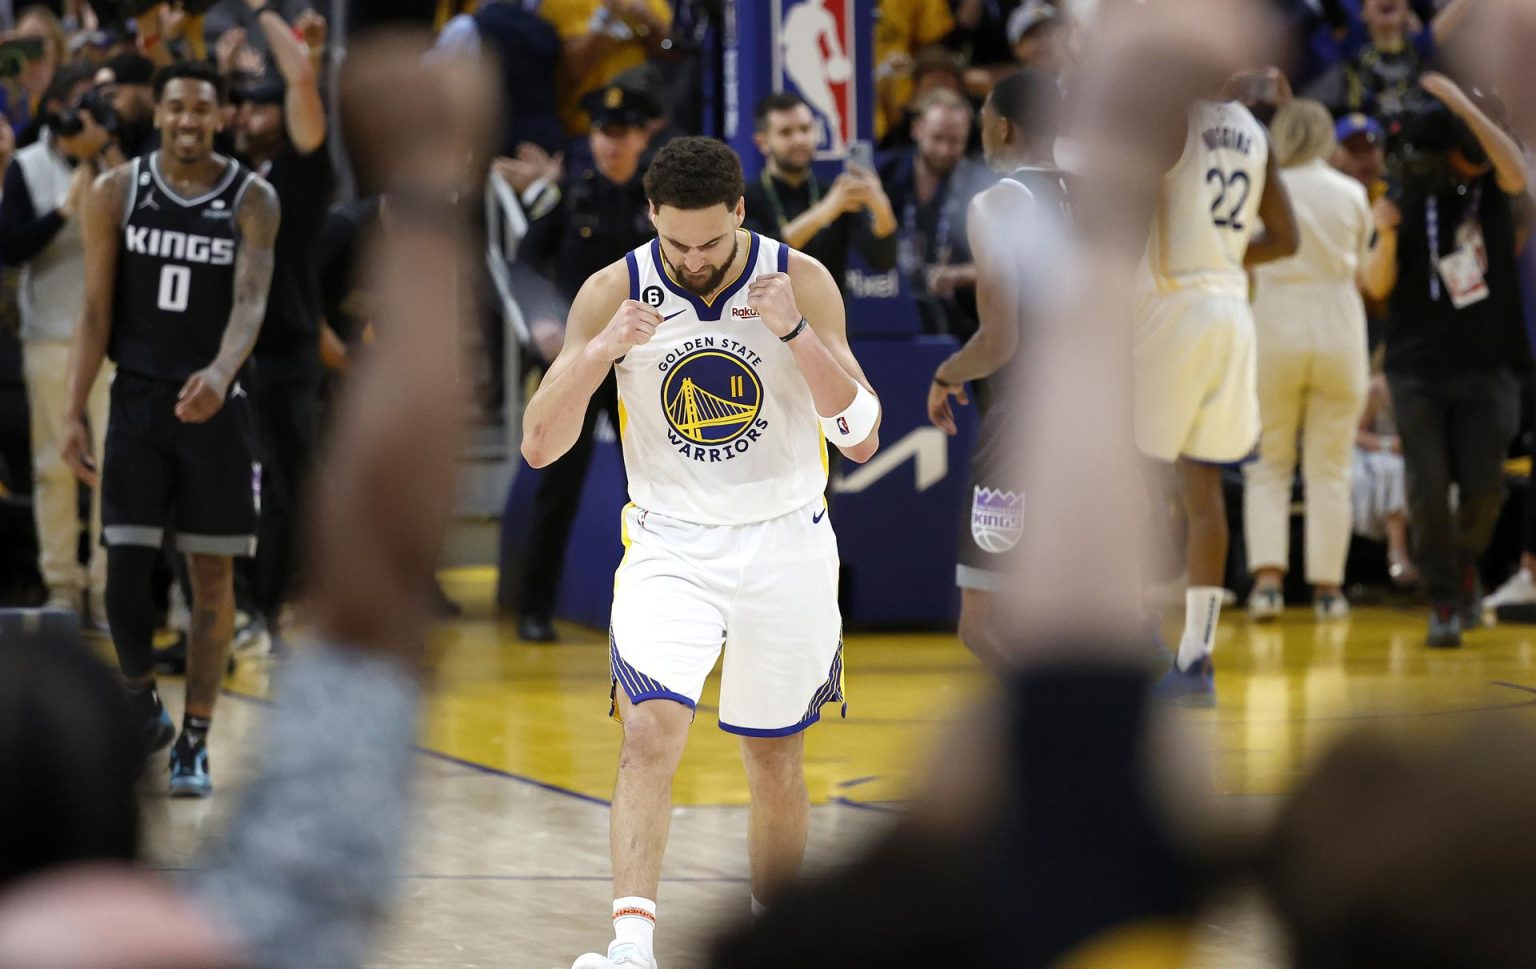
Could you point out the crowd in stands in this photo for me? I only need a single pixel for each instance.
(560, 61)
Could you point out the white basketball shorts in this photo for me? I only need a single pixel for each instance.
(1196, 378)
(765, 593)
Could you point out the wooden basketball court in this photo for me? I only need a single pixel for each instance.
(510, 861)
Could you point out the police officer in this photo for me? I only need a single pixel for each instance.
(595, 216)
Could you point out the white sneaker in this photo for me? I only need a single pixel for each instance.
(1518, 589)
(621, 955)
(1265, 605)
(251, 637)
(1331, 608)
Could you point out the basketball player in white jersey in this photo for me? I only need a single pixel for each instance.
(733, 370)
(1222, 209)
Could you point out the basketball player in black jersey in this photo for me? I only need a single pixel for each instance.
(178, 250)
(1019, 124)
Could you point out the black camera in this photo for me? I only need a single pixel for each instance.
(71, 120)
(1420, 138)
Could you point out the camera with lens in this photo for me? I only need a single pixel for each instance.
(1421, 138)
(71, 121)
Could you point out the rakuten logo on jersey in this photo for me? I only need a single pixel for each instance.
(743, 313)
(180, 246)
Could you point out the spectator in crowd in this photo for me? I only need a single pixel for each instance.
(932, 70)
(1454, 342)
(981, 40)
(789, 203)
(1312, 369)
(903, 29)
(45, 188)
(1383, 53)
(1379, 499)
(600, 40)
(1359, 153)
(527, 52)
(21, 97)
(600, 213)
(281, 131)
(1038, 34)
(305, 874)
(931, 188)
(127, 81)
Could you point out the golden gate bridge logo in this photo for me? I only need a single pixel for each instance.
(711, 397)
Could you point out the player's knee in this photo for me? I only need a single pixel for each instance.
(973, 631)
(773, 759)
(129, 568)
(211, 575)
(655, 733)
(976, 623)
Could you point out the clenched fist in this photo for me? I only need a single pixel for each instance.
(773, 296)
(632, 326)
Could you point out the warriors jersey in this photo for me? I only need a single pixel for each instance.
(717, 422)
(1208, 209)
(175, 272)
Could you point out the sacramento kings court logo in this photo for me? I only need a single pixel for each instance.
(711, 397)
(997, 519)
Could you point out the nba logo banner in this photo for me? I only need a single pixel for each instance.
(821, 50)
(813, 51)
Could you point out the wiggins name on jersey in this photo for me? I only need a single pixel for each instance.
(716, 419)
(1208, 209)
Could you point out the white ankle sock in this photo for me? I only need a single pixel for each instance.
(758, 908)
(634, 920)
(1202, 608)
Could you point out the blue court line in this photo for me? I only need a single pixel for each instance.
(556, 789)
(857, 781)
(481, 768)
(1513, 686)
(882, 807)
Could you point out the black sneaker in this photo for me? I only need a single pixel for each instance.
(536, 629)
(1444, 628)
(158, 731)
(189, 769)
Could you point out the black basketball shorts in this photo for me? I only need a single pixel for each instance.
(993, 519)
(199, 481)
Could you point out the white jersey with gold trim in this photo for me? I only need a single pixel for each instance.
(717, 422)
(1208, 209)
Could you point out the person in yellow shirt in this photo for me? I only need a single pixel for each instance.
(902, 29)
(601, 39)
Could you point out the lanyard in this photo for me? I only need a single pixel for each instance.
(941, 246)
(1432, 230)
(778, 206)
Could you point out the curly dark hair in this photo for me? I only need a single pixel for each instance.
(694, 173)
(190, 70)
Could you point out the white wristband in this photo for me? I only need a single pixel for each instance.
(853, 425)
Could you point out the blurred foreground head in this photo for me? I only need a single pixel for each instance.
(67, 758)
(1412, 855)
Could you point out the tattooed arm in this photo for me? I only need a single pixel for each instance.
(203, 394)
(103, 221)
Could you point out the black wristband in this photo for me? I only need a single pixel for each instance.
(264, 8)
(944, 383)
(795, 332)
